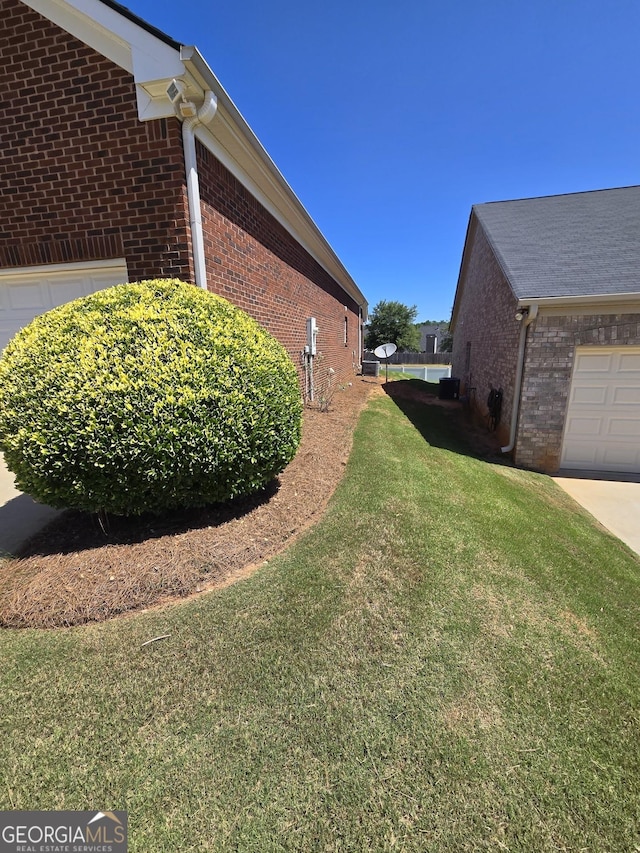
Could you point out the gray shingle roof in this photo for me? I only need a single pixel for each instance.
(580, 244)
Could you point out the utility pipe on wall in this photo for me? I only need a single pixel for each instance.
(192, 118)
(528, 316)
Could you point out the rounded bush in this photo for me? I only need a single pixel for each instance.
(146, 397)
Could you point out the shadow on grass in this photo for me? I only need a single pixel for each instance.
(444, 423)
(73, 530)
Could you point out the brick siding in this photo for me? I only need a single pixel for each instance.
(253, 261)
(547, 378)
(486, 332)
(83, 179)
(487, 335)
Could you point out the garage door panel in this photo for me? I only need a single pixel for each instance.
(618, 458)
(579, 427)
(602, 429)
(630, 365)
(26, 293)
(585, 394)
(68, 291)
(580, 455)
(593, 362)
(627, 395)
(26, 296)
(624, 427)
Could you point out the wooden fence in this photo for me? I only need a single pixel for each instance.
(411, 358)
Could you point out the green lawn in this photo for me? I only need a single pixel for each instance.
(449, 661)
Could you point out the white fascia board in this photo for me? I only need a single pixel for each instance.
(118, 265)
(620, 303)
(124, 42)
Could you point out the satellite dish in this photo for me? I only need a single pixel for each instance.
(385, 350)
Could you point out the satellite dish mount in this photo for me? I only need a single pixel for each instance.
(384, 351)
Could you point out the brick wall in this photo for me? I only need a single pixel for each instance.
(253, 261)
(547, 378)
(82, 179)
(486, 334)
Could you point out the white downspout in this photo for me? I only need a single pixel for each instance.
(526, 322)
(189, 124)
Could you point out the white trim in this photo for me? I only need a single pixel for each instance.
(53, 269)
(95, 29)
(622, 302)
(113, 35)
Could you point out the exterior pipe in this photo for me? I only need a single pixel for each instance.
(206, 112)
(526, 322)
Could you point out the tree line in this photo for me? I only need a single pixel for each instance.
(394, 322)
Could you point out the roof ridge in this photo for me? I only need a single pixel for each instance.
(555, 195)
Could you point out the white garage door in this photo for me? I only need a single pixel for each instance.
(602, 431)
(27, 292)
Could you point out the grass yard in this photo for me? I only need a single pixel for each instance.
(449, 661)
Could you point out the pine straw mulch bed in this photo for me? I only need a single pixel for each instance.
(74, 572)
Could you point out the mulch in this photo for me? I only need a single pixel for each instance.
(76, 570)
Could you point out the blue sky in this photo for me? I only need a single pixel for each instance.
(389, 119)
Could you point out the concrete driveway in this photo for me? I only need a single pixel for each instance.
(20, 515)
(615, 503)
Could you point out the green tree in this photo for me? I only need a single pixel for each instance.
(393, 322)
(446, 344)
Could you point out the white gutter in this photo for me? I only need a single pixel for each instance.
(599, 299)
(206, 112)
(527, 319)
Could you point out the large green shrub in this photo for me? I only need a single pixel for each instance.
(146, 397)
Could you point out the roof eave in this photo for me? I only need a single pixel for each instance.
(155, 59)
(241, 145)
(558, 304)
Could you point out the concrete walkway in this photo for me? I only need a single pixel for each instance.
(614, 503)
(20, 515)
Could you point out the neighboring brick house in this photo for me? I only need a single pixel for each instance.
(547, 311)
(123, 158)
